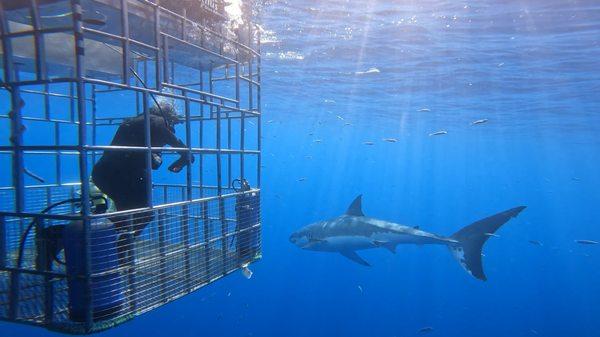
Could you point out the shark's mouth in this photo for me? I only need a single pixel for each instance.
(313, 242)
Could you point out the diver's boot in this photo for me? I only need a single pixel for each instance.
(121, 251)
(49, 243)
(124, 248)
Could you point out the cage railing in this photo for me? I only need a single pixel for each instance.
(196, 232)
(177, 254)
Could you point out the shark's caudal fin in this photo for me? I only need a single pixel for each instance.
(472, 237)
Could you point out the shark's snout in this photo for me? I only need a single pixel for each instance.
(298, 239)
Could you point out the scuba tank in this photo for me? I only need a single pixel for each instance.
(108, 288)
(247, 210)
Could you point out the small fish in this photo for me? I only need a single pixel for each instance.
(339, 117)
(534, 332)
(491, 234)
(308, 157)
(587, 242)
(390, 140)
(576, 179)
(439, 133)
(369, 143)
(95, 21)
(347, 124)
(301, 179)
(426, 329)
(360, 289)
(536, 242)
(269, 121)
(368, 71)
(246, 272)
(316, 141)
(500, 64)
(56, 16)
(424, 110)
(479, 121)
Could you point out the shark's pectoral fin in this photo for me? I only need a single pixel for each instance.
(354, 257)
(387, 245)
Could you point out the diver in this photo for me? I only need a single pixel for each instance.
(121, 174)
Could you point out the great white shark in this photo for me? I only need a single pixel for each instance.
(353, 231)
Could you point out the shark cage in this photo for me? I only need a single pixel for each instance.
(78, 78)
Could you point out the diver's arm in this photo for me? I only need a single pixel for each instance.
(183, 155)
(164, 134)
(167, 135)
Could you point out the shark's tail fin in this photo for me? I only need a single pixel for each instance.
(471, 238)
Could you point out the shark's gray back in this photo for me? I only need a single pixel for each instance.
(349, 225)
(354, 223)
(354, 231)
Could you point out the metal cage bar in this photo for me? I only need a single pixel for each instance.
(189, 228)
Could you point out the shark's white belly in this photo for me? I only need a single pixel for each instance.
(394, 238)
(352, 243)
(341, 243)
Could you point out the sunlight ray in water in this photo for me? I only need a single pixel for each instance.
(386, 168)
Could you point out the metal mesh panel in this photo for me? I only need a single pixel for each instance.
(182, 248)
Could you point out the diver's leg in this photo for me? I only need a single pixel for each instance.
(140, 221)
(134, 197)
(118, 191)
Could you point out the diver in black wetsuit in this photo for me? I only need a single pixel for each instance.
(121, 174)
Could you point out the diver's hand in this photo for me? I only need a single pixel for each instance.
(180, 163)
(177, 165)
(156, 161)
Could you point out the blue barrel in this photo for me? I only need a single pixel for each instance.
(108, 289)
(247, 208)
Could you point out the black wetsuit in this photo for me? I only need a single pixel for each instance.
(122, 174)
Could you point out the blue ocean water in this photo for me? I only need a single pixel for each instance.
(339, 77)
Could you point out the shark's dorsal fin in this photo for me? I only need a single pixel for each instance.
(355, 208)
(416, 227)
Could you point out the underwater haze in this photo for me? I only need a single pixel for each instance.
(439, 113)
